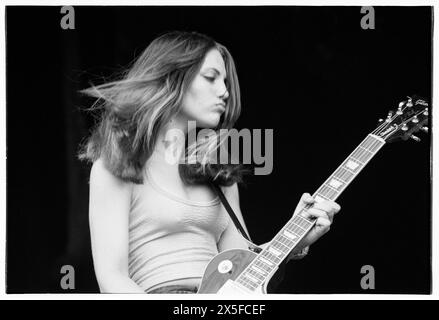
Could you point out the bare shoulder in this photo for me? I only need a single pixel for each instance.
(232, 190)
(101, 177)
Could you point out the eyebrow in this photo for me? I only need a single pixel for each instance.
(215, 70)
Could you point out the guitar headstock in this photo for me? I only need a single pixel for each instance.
(411, 116)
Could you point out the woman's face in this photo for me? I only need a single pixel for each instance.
(205, 99)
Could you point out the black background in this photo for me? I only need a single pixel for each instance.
(312, 74)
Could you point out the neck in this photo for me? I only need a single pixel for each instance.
(171, 141)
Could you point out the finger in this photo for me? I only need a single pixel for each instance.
(315, 213)
(305, 200)
(328, 211)
(328, 206)
(323, 224)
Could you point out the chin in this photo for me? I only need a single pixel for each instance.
(209, 123)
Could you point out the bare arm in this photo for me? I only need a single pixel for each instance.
(108, 213)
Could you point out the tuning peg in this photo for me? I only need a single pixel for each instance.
(415, 138)
(415, 119)
(401, 104)
(380, 120)
(389, 116)
(404, 127)
(409, 102)
(425, 129)
(425, 113)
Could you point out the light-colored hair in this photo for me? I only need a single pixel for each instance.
(135, 107)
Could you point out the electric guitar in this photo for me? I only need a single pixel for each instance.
(243, 271)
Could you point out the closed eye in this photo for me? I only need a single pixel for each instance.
(210, 79)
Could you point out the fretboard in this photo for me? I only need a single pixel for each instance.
(269, 259)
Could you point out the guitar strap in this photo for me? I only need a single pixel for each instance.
(229, 209)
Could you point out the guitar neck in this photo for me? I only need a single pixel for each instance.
(269, 259)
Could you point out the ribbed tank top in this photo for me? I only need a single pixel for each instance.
(171, 239)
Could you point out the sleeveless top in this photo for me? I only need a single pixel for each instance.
(171, 239)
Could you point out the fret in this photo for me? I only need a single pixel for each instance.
(294, 228)
(374, 143)
(368, 144)
(250, 280)
(352, 164)
(247, 283)
(334, 183)
(356, 161)
(285, 241)
(371, 143)
(330, 187)
(254, 275)
(278, 245)
(362, 154)
(258, 270)
(262, 265)
(319, 198)
(365, 151)
(289, 239)
(343, 174)
(243, 281)
(350, 170)
(269, 256)
(267, 262)
(301, 222)
(327, 192)
(274, 251)
(289, 235)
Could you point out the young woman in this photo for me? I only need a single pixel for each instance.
(155, 224)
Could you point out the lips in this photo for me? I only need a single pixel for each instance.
(220, 106)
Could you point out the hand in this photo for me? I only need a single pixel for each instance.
(322, 211)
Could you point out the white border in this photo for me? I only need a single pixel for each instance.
(435, 235)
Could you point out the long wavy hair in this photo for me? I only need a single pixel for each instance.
(134, 108)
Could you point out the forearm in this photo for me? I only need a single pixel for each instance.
(118, 283)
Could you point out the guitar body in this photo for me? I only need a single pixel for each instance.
(224, 268)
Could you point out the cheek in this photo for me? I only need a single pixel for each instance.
(196, 98)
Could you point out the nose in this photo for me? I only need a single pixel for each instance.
(223, 93)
